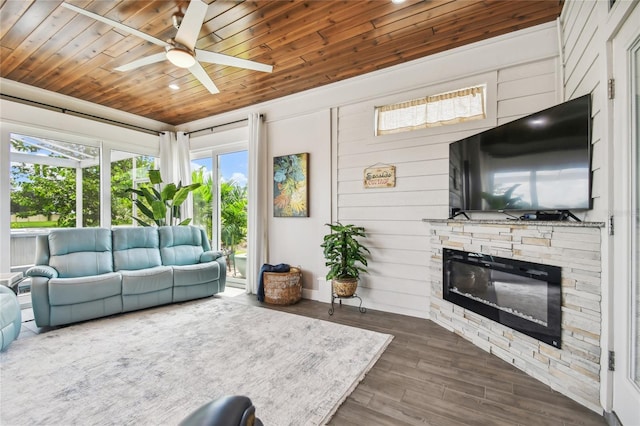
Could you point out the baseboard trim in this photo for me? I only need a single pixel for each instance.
(612, 419)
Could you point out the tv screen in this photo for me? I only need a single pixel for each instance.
(541, 162)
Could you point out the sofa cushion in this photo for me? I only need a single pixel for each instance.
(136, 248)
(186, 275)
(80, 252)
(146, 287)
(146, 280)
(181, 245)
(67, 291)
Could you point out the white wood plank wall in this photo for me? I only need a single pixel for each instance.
(583, 65)
(398, 274)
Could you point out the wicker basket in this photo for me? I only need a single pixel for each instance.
(282, 288)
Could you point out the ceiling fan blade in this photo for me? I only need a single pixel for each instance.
(116, 24)
(191, 24)
(232, 61)
(147, 60)
(199, 73)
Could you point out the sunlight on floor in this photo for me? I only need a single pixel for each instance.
(231, 292)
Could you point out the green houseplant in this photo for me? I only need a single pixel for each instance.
(161, 205)
(345, 256)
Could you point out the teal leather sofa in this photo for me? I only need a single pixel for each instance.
(86, 273)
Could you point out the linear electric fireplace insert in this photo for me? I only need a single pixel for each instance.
(521, 295)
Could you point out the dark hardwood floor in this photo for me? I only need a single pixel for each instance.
(430, 376)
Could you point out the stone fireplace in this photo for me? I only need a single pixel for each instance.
(537, 253)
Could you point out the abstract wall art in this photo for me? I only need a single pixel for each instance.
(291, 185)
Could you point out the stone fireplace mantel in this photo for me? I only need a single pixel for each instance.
(575, 247)
(563, 223)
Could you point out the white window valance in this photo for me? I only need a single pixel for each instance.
(435, 110)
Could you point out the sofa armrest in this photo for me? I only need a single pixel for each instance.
(40, 301)
(42, 271)
(210, 256)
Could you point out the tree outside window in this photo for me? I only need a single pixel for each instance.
(44, 183)
(233, 212)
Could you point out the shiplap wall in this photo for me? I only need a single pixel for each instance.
(399, 263)
(582, 47)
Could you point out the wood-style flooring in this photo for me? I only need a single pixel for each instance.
(430, 376)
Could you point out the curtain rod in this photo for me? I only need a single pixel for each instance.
(81, 114)
(210, 128)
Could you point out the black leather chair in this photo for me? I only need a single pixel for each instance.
(232, 410)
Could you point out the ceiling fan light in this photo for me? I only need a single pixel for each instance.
(180, 57)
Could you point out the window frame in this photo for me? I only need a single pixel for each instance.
(206, 149)
(489, 79)
(136, 183)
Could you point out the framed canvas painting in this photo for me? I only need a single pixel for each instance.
(291, 185)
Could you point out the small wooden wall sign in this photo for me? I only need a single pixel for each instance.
(380, 177)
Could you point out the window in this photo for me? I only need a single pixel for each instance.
(54, 183)
(443, 109)
(203, 204)
(128, 170)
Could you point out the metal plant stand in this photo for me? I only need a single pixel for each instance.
(334, 296)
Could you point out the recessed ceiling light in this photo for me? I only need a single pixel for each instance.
(174, 86)
(397, 1)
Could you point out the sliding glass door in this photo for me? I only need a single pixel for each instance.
(220, 205)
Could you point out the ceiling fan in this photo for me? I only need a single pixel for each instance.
(180, 50)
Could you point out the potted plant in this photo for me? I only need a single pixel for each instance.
(161, 205)
(345, 256)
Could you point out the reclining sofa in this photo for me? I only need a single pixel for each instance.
(86, 273)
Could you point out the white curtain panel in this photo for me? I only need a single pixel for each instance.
(166, 156)
(258, 190)
(184, 170)
(175, 164)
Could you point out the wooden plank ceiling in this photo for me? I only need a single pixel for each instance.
(309, 43)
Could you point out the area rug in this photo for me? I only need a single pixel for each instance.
(157, 366)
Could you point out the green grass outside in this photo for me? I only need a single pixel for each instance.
(43, 224)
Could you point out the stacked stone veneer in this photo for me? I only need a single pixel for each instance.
(573, 370)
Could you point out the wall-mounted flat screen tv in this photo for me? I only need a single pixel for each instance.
(540, 162)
